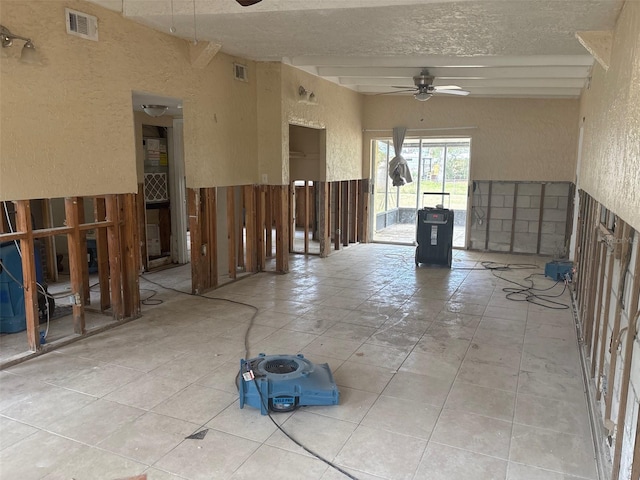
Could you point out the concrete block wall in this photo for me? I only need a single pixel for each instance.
(517, 214)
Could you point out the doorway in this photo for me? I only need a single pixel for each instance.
(437, 165)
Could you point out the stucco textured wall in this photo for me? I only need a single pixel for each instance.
(512, 139)
(610, 168)
(67, 127)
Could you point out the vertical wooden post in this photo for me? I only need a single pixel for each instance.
(597, 313)
(211, 222)
(282, 227)
(231, 230)
(49, 242)
(543, 187)
(293, 210)
(102, 252)
(84, 250)
(115, 256)
(23, 224)
(337, 231)
(322, 189)
(262, 200)
(194, 209)
(250, 219)
(131, 264)
(307, 217)
(624, 258)
(345, 223)
(486, 237)
(513, 215)
(627, 351)
(365, 199)
(268, 220)
(142, 227)
(240, 231)
(353, 206)
(76, 258)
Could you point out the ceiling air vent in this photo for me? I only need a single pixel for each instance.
(81, 25)
(240, 72)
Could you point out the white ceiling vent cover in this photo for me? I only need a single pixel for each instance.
(240, 72)
(81, 25)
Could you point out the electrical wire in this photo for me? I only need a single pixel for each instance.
(150, 301)
(246, 356)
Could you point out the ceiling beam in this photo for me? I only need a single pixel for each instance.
(598, 44)
(459, 72)
(446, 61)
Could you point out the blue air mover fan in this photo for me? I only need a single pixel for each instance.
(282, 383)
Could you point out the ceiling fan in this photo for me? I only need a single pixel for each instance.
(424, 87)
(248, 3)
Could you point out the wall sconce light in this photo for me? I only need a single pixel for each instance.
(29, 53)
(306, 96)
(155, 110)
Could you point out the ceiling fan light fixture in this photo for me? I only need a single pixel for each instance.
(155, 110)
(422, 96)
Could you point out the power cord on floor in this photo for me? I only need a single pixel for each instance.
(239, 377)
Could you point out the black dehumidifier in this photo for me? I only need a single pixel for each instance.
(434, 233)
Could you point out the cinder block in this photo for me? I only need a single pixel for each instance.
(550, 202)
(495, 225)
(501, 213)
(497, 201)
(524, 201)
(500, 237)
(552, 245)
(508, 201)
(561, 228)
(548, 227)
(498, 247)
(533, 227)
(522, 226)
(525, 242)
(503, 188)
(563, 202)
(530, 189)
(554, 215)
(527, 213)
(534, 201)
(557, 189)
(506, 226)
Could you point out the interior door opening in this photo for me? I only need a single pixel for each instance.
(436, 165)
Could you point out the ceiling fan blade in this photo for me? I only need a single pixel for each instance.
(446, 87)
(412, 90)
(404, 86)
(453, 92)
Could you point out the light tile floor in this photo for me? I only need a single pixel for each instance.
(440, 376)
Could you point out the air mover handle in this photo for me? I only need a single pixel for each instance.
(442, 194)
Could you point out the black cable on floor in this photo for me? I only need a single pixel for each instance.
(246, 356)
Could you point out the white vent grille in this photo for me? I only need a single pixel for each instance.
(240, 72)
(81, 25)
(155, 187)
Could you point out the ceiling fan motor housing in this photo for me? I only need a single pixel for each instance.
(284, 382)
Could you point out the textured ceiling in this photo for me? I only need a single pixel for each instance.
(353, 42)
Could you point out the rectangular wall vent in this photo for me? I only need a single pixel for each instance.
(81, 25)
(240, 72)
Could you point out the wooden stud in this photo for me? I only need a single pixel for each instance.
(323, 218)
(250, 219)
(543, 188)
(76, 258)
(626, 367)
(262, 200)
(293, 217)
(23, 225)
(486, 237)
(280, 198)
(268, 220)
(209, 231)
(102, 252)
(307, 210)
(287, 227)
(616, 318)
(365, 196)
(353, 206)
(513, 216)
(231, 230)
(142, 226)
(195, 233)
(240, 231)
(337, 230)
(605, 320)
(115, 256)
(131, 258)
(594, 262)
(602, 254)
(49, 242)
(345, 223)
(85, 253)
(569, 219)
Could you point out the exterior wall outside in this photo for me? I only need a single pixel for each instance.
(610, 169)
(513, 139)
(68, 125)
